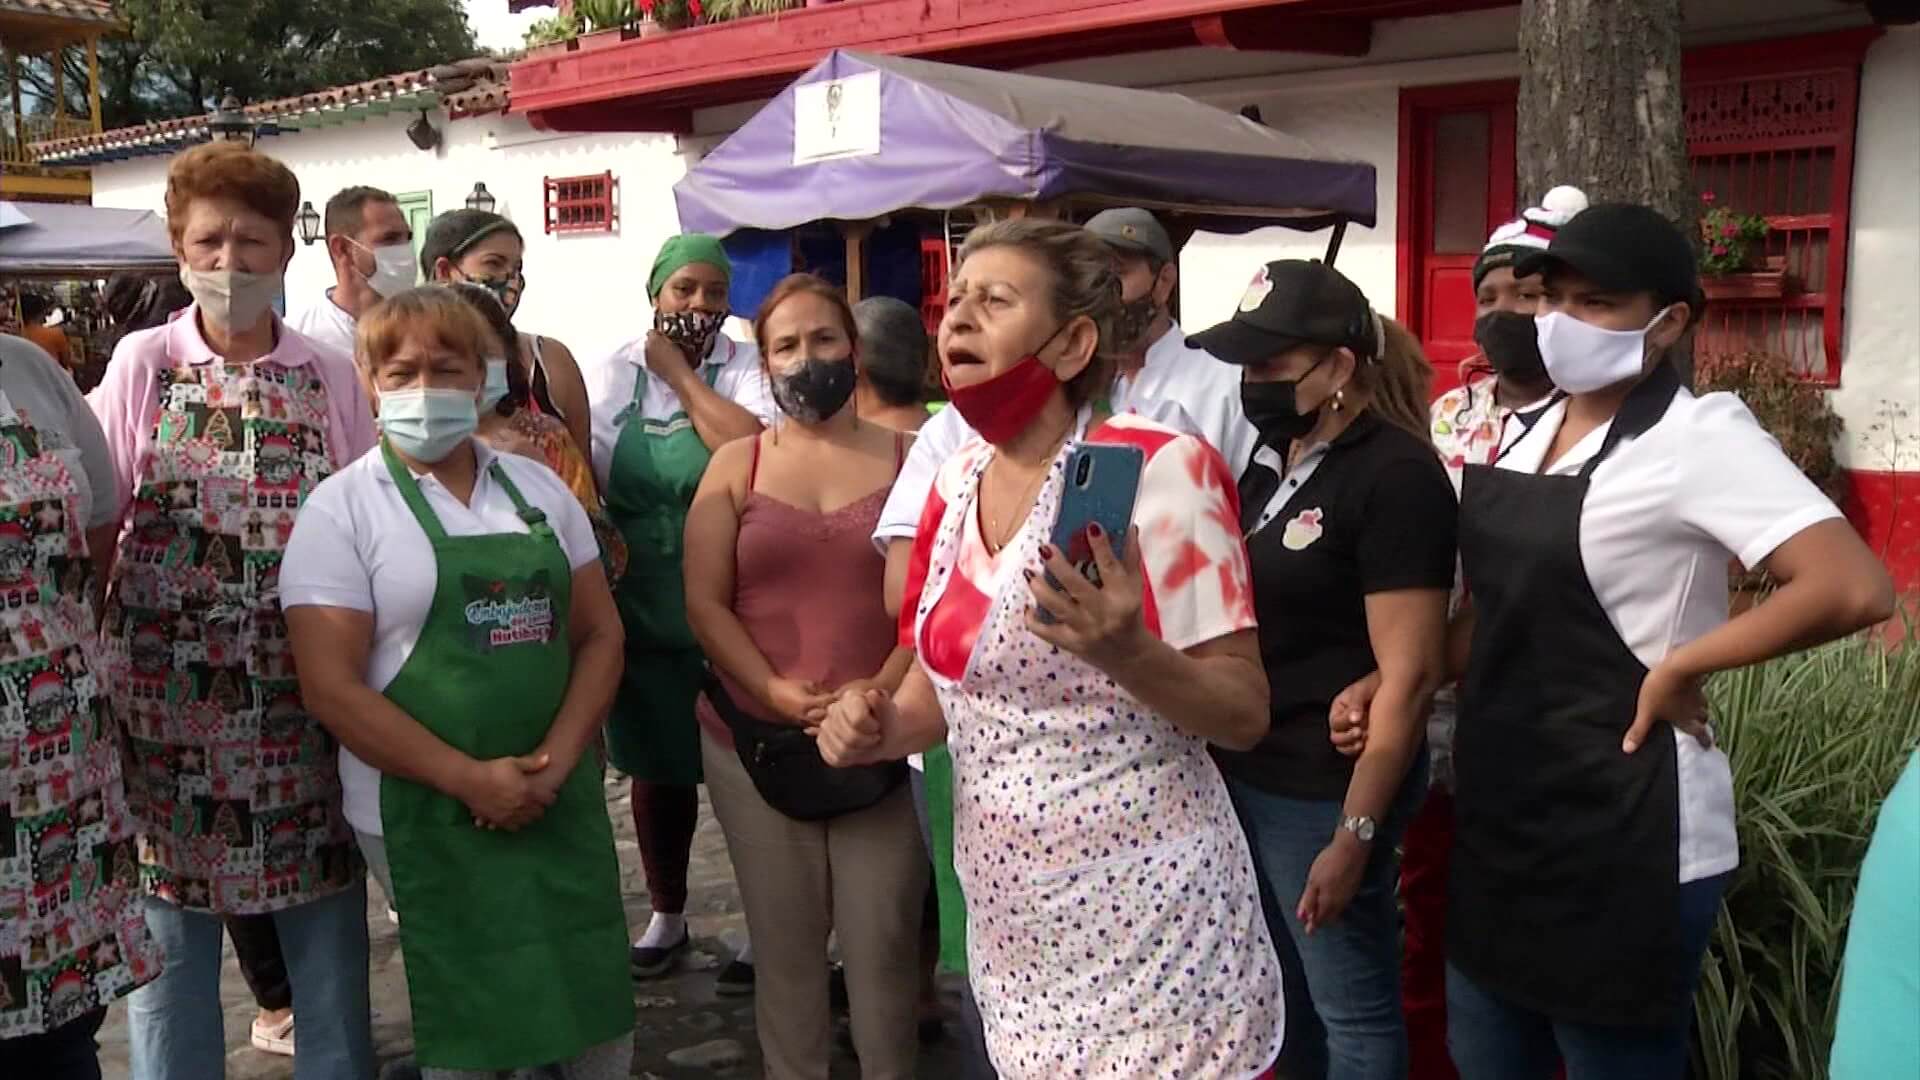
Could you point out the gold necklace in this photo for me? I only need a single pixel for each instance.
(996, 536)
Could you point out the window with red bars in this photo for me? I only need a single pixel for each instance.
(579, 204)
(1770, 129)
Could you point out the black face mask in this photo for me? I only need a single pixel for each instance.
(814, 391)
(693, 331)
(1512, 345)
(1135, 317)
(1273, 408)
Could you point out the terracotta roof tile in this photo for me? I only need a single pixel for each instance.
(466, 87)
(100, 11)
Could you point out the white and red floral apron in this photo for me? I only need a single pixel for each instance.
(1113, 919)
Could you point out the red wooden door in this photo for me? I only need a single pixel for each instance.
(1456, 185)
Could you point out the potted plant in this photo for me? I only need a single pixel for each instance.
(1733, 260)
(554, 34)
(1794, 411)
(670, 14)
(605, 21)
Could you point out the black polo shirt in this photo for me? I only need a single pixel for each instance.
(1376, 515)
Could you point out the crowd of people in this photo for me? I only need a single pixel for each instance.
(388, 587)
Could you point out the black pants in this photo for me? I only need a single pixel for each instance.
(257, 947)
(67, 1052)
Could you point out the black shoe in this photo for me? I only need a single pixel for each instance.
(837, 990)
(653, 961)
(736, 980)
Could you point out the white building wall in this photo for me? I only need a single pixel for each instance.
(1880, 357)
(587, 290)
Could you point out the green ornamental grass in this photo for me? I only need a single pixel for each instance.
(1816, 740)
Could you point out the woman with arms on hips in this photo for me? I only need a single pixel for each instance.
(778, 529)
(453, 628)
(666, 403)
(220, 424)
(1114, 926)
(1594, 817)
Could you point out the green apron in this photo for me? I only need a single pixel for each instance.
(938, 777)
(654, 472)
(515, 942)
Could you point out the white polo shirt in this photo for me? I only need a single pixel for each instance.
(738, 379)
(357, 545)
(1207, 387)
(327, 325)
(1663, 515)
(1189, 390)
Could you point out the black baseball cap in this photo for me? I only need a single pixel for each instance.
(1621, 247)
(1294, 302)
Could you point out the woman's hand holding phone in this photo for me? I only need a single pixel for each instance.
(1100, 623)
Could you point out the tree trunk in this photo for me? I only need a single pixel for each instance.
(1601, 106)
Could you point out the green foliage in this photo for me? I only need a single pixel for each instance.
(179, 56)
(1816, 742)
(1729, 241)
(1793, 410)
(605, 14)
(551, 30)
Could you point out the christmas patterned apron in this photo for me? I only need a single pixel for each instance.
(1564, 895)
(235, 786)
(515, 941)
(655, 469)
(1113, 920)
(72, 938)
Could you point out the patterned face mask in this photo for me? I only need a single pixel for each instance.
(693, 331)
(507, 289)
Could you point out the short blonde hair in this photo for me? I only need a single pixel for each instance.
(431, 310)
(229, 170)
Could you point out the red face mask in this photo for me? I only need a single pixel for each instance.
(1001, 407)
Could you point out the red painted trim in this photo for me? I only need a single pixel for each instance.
(1839, 234)
(1252, 31)
(1885, 508)
(1779, 56)
(1406, 213)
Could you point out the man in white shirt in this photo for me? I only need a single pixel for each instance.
(1161, 377)
(371, 246)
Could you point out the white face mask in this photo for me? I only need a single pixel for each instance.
(234, 299)
(393, 268)
(1582, 357)
(495, 387)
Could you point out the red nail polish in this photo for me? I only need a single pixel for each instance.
(1046, 551)
(1094, 529)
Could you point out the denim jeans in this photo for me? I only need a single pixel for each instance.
(68, 1052)
(1342, 982)
(1492, 1039)
(174, 1029)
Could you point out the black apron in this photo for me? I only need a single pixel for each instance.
(1564, 890)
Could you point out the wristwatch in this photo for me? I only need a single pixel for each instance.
(1361, 827)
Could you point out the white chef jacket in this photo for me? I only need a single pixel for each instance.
(1663, 515)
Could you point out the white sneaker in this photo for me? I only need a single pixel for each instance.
(273, 1038)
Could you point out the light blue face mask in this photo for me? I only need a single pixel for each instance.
(495, 387)
(427, 424)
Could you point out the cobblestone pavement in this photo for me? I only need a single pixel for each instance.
(679, 1016)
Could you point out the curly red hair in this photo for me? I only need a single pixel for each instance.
(229, 170)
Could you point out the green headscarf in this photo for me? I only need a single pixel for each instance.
(683, 250)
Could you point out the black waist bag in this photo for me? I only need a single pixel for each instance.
(786, 768)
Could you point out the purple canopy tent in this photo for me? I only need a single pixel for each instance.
(862, 136)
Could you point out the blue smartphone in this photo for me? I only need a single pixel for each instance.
(1102, 483)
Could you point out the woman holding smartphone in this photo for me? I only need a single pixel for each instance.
(1114, 926)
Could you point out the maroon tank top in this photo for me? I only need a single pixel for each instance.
(810, 589)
